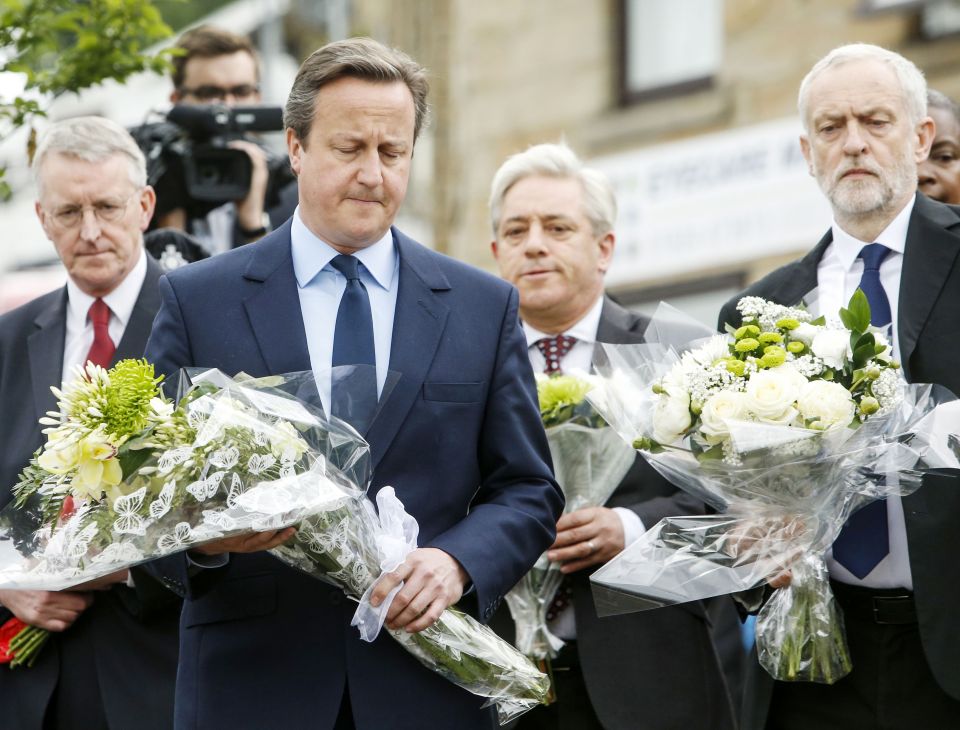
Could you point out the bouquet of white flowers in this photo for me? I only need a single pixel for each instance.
(589, 460)
(126, 477)
(787, 427)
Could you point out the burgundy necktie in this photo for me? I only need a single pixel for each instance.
(102, 349)
(553, 349)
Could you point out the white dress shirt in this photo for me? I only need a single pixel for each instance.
(320, 288)
(79, 331)
(838, 276)
(579, 358)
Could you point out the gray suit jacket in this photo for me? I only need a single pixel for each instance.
(927, 320)
(122, 651)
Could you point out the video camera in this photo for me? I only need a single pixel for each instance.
(188, 154)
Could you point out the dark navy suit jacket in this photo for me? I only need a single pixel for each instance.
(459, 438)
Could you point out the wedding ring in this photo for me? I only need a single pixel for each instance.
(591, 547)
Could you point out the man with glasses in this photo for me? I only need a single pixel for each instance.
(111, 660)
(220, 67)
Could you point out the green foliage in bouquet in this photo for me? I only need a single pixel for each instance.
(339, 547)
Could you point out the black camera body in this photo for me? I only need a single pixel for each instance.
(189, 160)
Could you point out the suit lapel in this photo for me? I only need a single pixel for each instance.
(929, 258)
(45, 352)
(273, 308)
(137, 331)
(617, 325)
(800, 278)
(417, 326)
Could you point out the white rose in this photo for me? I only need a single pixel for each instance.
(771, 394)
(805, 332)
(727, 405)
(286, 443)
(881, 339)
(829, 403)
(832, 346)
(671, 415)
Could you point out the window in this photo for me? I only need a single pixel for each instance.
(669, 47)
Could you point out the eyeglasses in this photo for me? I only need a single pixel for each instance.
(210, 92)
(109, 210)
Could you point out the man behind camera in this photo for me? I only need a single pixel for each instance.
(219, 67)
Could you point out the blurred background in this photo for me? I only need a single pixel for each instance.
(688, 105)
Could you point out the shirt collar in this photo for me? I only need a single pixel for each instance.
(585, 330)
(894, 236)
(121, 300)
(312, 254)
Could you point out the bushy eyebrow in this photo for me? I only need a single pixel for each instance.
(549, 218)
(833, 115)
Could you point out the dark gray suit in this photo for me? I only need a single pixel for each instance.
(121, 654)
(927, 327)
(659, 669)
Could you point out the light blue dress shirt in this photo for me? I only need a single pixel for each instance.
(320, 288)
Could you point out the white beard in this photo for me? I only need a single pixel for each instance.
(870, 194)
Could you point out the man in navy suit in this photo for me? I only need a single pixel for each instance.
(459, 436)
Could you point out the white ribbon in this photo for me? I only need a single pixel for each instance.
(396, 539)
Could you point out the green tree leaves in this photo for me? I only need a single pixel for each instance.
(68, 45)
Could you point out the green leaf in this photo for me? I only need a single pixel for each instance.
(859, 307)
(863, 349)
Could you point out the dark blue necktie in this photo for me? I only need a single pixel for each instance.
(864, 540)
(353, 393)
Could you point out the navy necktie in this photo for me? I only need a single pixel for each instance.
(864, 540)
(353, 393)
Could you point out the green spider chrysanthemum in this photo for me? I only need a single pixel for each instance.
(115, 400)
(127, 404)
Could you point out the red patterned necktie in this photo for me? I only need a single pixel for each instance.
(553, 349)
(102, 349)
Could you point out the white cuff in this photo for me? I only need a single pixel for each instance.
(207, 562)
(633, 527)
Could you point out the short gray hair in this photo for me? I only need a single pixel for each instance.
(92, 139)
(912, 83)
(556, 160)
(939, 100)
(360, 58)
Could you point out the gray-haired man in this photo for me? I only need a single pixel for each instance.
(553, 223)
(111, 661)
